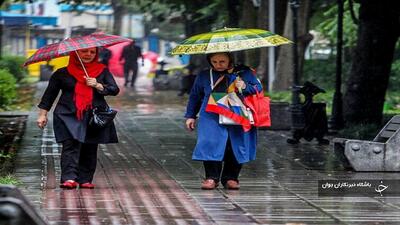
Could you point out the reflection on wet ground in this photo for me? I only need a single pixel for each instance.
(149, 177)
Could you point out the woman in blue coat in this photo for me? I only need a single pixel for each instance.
(222, 148)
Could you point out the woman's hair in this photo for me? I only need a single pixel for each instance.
(230, 56)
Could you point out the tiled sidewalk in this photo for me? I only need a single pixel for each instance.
(149, 177)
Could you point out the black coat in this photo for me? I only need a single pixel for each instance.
(65, 123)
(131, 54)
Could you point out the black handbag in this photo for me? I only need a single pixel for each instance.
(101, 118)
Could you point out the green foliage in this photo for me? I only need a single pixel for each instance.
(9, 179)
(280, 96)
(318, 8)
(5, 156)
(327, 98)
(286, 96)
(394, 79)
(328, 27)
(322, 72)
(360, 131)
(210, 9)
(7, 88)
(392, 102)
(14, 66)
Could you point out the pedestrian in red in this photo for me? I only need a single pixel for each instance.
(79, 94)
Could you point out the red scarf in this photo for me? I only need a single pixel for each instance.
(83, 95)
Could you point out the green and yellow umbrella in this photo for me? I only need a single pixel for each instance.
(228, 40)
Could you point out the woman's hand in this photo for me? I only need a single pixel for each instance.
(42, 119)
(239, 83)
(92, 82)
(190, 124)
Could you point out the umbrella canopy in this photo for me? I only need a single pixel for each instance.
(228, 40)
(72, 44)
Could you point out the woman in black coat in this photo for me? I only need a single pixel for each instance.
(79, 94)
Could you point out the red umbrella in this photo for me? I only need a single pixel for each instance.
(151, 56)
(114, 65)
(63, 48)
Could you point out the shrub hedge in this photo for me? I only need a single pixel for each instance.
(14, 66)
(322, 72)
(8, 90)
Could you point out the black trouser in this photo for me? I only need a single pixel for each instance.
(78, 161)
(127, 69)
(230, 170)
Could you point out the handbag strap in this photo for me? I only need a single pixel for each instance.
(212, 80)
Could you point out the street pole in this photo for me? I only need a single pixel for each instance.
(336, 121)
(1, 39)
(271, 51)
(296, 110)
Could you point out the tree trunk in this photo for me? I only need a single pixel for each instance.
(193, 27)
(280, 15)
(233, 7)
(249, 20)
(378, 31)
(263, 24)
(284, 72)
(280, 18)
(119, 12)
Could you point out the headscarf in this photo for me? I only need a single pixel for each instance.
(224, 85)
(230, 57)
(83, 95)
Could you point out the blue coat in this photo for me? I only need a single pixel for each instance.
(212, 137)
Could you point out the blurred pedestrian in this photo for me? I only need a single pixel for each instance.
(130, 55)
(79, 94)
(187, 80)
(222, 148)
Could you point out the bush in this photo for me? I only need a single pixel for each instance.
(286, 96)
(394, 79)
(8, 90)
(360, 131)
(322, 72)
(9, 179)
(14, 66)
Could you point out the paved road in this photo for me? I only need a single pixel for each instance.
(149, 177)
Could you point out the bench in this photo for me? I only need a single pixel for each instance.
(380, 154)
(15, 208)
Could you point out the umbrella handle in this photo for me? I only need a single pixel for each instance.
(83, 66)
(239, 89)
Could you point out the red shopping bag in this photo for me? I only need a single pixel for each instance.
(260, 107)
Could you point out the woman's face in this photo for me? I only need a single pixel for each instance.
(220, 62)
(87, 55)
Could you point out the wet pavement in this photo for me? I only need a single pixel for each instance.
(149, 177)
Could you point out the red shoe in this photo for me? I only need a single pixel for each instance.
(232, 185)
(69, 184)
(87, 185)
(209, 184)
